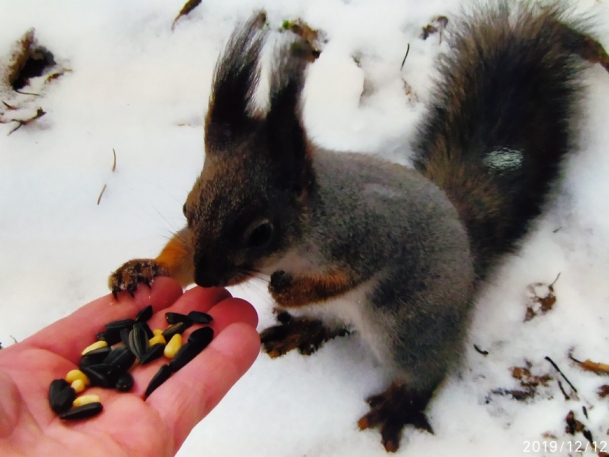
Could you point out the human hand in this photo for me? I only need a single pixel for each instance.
(128, 425)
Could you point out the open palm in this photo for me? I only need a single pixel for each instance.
(128, 425)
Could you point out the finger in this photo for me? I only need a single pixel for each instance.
(70, 335)
(192, 392)
(195, 299)
(9, 405)
(195, 390)
(225, 313)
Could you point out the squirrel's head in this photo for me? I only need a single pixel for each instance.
(248, 206)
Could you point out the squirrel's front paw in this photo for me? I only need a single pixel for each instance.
(306, 335)
(138, 271)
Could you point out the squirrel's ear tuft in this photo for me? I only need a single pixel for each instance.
(235, 80)
(287, 140)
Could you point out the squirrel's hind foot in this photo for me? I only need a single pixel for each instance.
(391, 411)
(134, 272)
(306, 335)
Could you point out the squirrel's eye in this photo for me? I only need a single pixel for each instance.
(260, 235)
(184, 210)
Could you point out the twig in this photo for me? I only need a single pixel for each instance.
(561, 373)
(562, 389)
(100, 194)
(480, 350)
(551, 286)
(406, 55)
(26, 93)
(114, 162)
(39, 113)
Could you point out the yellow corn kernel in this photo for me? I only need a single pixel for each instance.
(85, 400)
(156, 340)
(172, 347)
(157, 331)
(73, 375)
(96, 345)
(78, 385)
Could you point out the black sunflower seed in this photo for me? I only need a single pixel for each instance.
(109, 336)
(83, 412)
(138, 341)
(201, 337)
(94, 357)
(100, 353)
(61, 398)
(154, 352)
(120, 324)
(124, 333)
(200, 317)
(146, 328)
(159, 378)
(124, 382)
(121, 358)
(99, 375)
(184, 355)
(56, 386)
(144, 314)
(174, 318)
(175, 328)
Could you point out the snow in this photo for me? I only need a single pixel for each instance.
(140, 89)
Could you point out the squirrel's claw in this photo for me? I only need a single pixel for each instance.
(306, 335)
(133, 273)
(391, 411)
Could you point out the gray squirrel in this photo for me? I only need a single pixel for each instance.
(355, 243)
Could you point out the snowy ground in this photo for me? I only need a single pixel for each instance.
(138, 88)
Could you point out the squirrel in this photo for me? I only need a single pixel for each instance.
(355, 243)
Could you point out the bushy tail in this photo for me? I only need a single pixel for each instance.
(499, 123)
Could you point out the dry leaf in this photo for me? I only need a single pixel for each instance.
(527, 379)
(28, 60)
(313, 37)
(573, 425)
(595, 367)
(427, 31)
(540, 301)
(20, 123)
(440, 24)
(186, 9)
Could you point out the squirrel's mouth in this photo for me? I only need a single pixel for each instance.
(213, 279)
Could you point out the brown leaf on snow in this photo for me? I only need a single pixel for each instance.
(603, 391)
(314, 37)
(28, 60)
(20, 123)
(540, 301)
(440, 24)
(573, 425)
(595, 367)
(427, 31)
(186, 9)
(527, 379)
